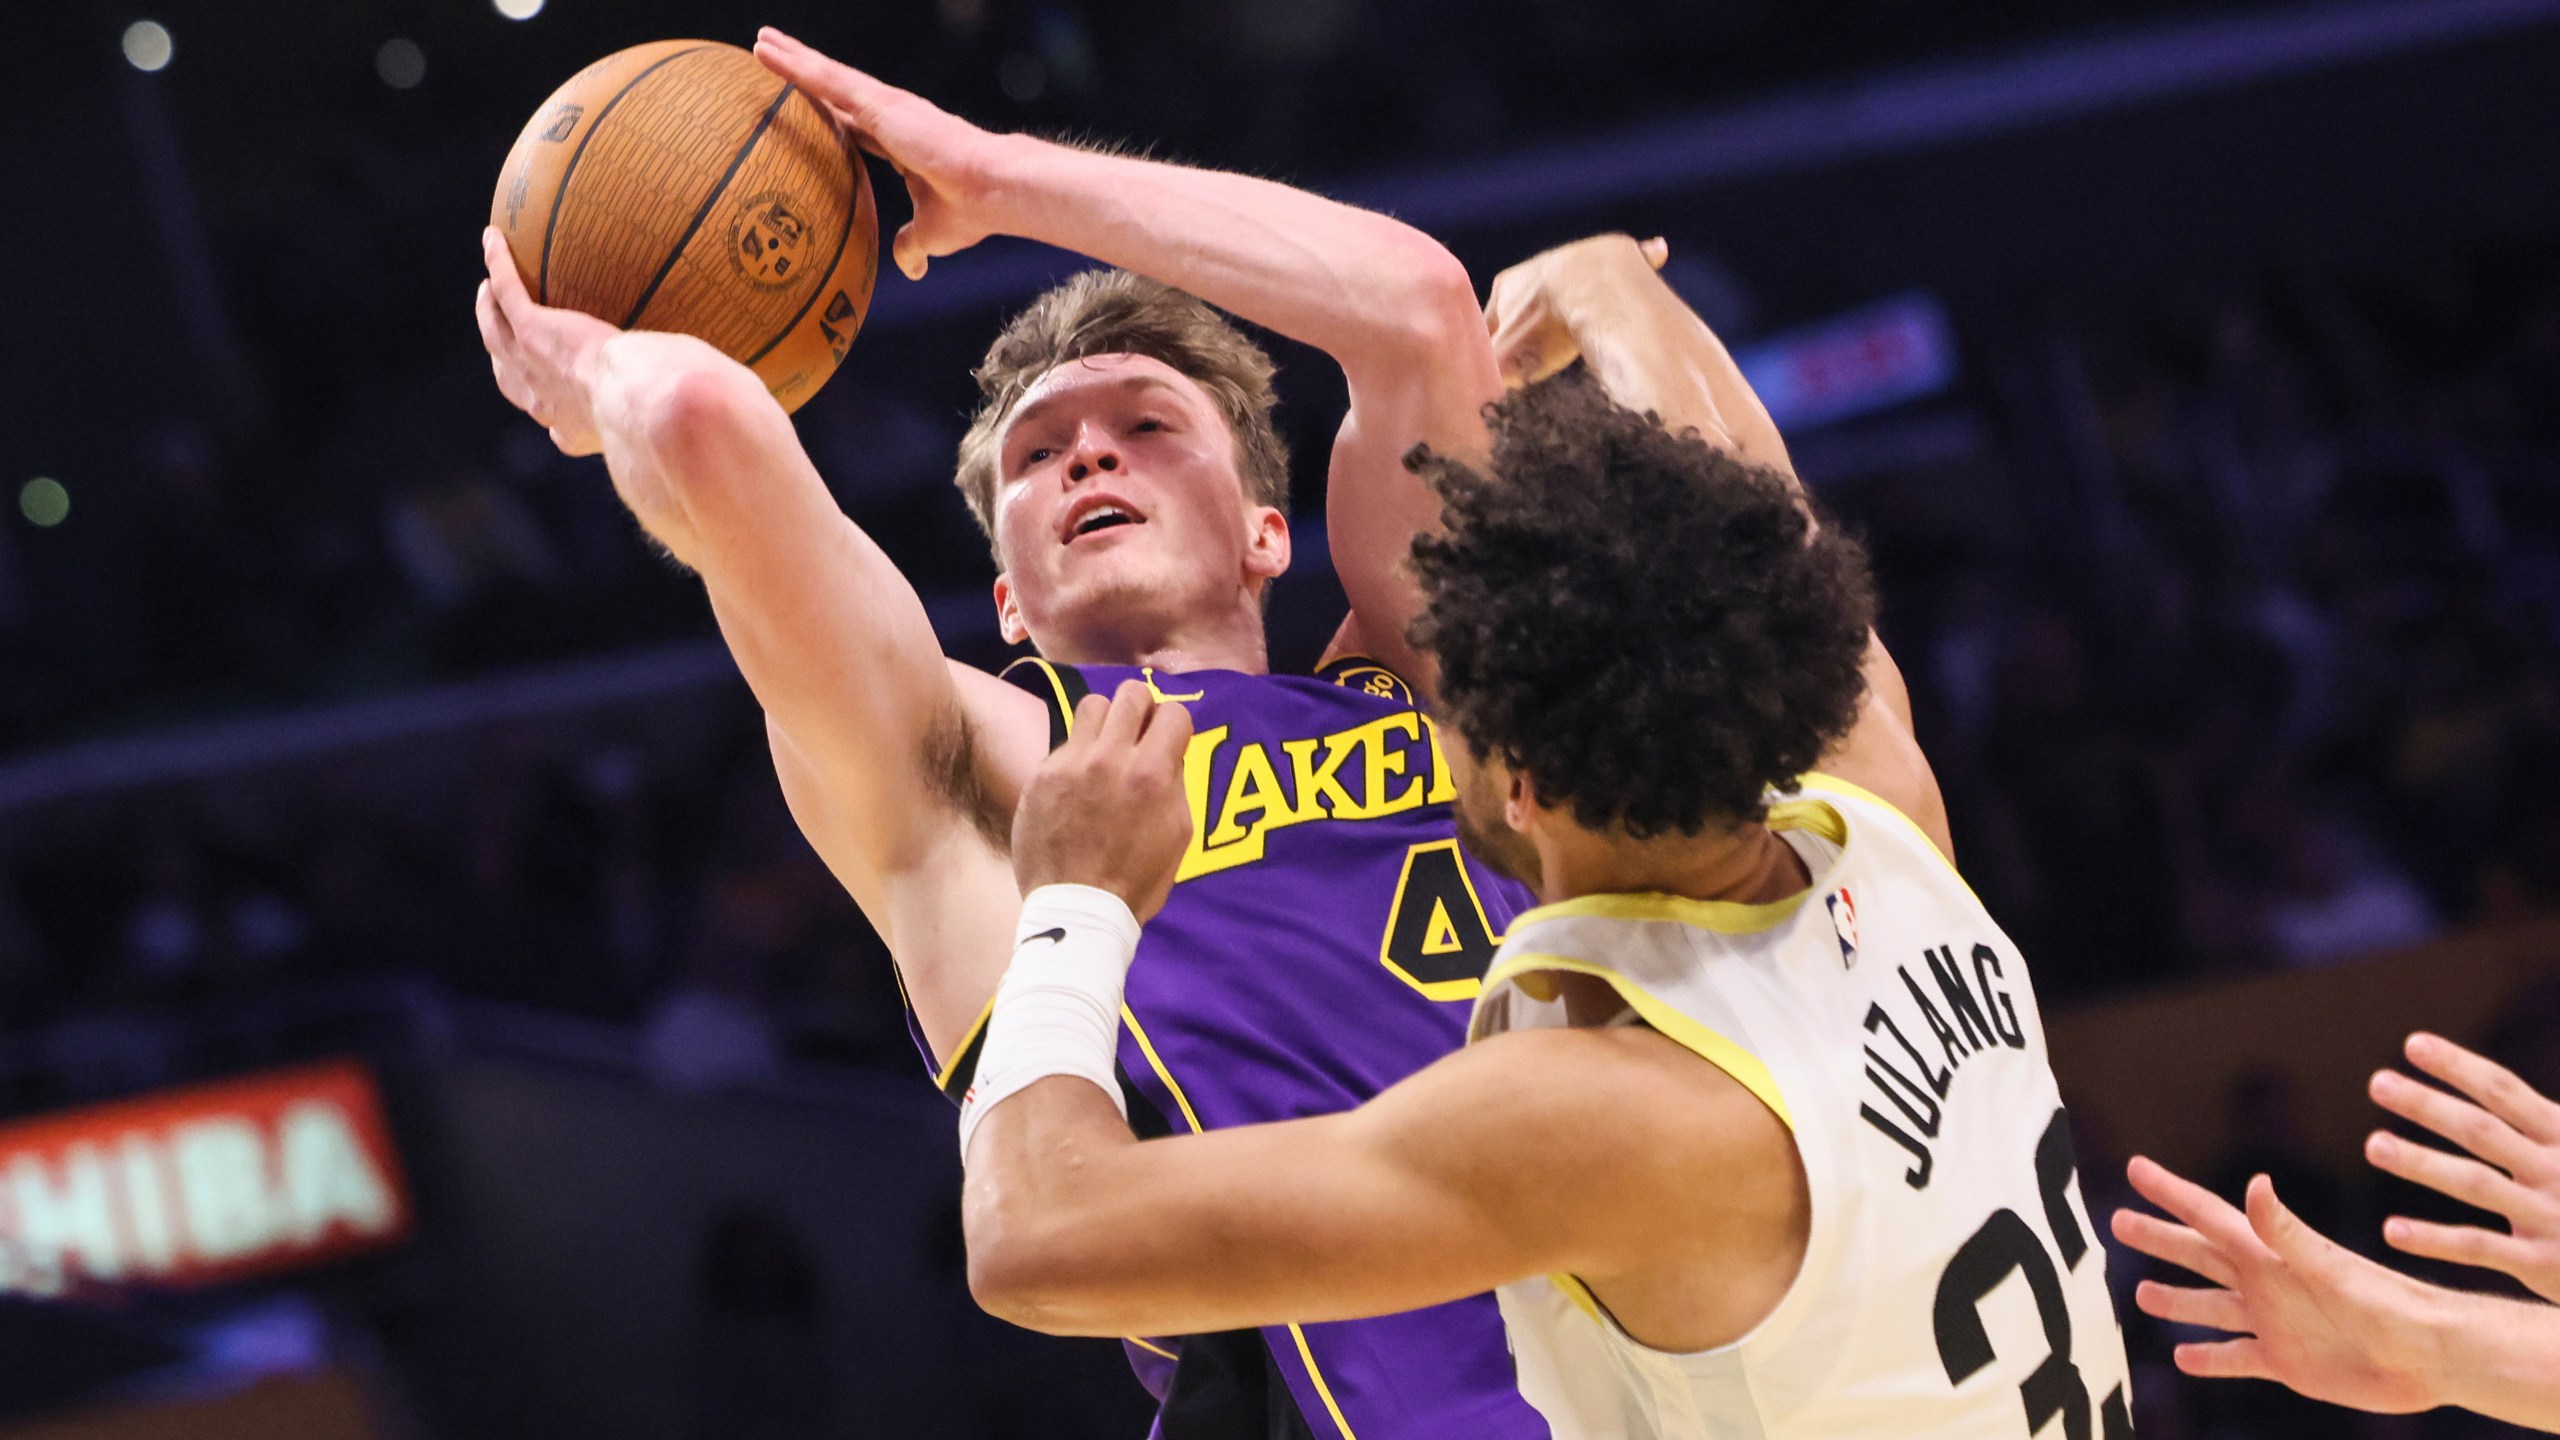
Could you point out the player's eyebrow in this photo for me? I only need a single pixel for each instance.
(1036, 408)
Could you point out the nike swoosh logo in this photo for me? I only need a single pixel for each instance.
(1055, 934)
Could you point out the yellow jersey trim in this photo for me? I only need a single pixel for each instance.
(1152, 1349)
(1816, 779)
(1709, 1046)
(1725, 917)
(1577, 1292)
(969, 1037)
(1058, 687)
(1155, 1062)
(1324, 1392)
(1191, 1117)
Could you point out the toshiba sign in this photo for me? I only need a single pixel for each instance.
(209, 1183)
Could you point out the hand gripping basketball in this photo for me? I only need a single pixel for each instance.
(941, 156)
(544, 358)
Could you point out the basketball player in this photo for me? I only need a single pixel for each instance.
(2310, 1314)
(1756, 1134)
(1327, 934)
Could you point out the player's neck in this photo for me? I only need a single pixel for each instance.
(1749, 866)
(1226, 641)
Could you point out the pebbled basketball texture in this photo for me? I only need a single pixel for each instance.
(682, 186)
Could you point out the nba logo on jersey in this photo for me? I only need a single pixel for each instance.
(1844, 923)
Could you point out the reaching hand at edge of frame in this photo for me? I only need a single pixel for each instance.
(2304, 1311)
(2506, 1124)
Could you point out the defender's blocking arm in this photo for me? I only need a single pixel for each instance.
(1599, 301)
(894, 768)
(1507, 1159)
(1392, 306)
(1510, 1158)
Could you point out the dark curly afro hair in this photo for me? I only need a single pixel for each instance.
(1647, 627)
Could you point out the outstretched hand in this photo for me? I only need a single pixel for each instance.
(544, 358)
(941, 156)
(2305, 1311)
(2506, 1124)
(1106, 809)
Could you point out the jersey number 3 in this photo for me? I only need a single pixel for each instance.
(2006, 1244)
(1438, 940)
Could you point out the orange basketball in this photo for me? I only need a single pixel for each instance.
(682, 186)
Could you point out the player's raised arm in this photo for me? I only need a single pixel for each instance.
(1599, 301)
(894, 769)
(1392, 306)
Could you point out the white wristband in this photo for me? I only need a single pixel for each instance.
(1057, 1011)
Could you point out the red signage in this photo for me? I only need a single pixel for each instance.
(200, 1185)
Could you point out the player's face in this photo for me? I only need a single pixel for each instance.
(1118, 499)
(1484, 825)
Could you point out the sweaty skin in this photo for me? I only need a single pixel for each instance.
(903, 768)
(1612, 1154)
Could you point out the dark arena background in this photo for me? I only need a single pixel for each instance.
(376, 805)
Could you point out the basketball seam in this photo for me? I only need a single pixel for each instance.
(560, 195)
(852, 212)
(736, 163)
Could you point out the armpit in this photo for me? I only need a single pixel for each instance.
(952, 773)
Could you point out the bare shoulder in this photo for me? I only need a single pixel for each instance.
(1882, 756)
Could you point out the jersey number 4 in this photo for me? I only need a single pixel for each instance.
(2004, 1245)
(1438, 940)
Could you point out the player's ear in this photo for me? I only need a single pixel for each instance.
(1520, 803)
(1009, 614)
(1266, 554)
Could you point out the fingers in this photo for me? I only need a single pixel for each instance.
(2207, 1213)
(2456, 1119)
(855, 95)
(2497, 1088)
(1091, 712)
(2464, 1179)
(1168, 735)
(506, 286)
(496, 335)
(2215, 1309)
(2302, 1248)
(2460, 1244)
(1127, 719)
(1657, 251)
(2175, 1244)
(2225, 1360)
(908, 249)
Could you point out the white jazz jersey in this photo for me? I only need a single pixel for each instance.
(1953, 1286)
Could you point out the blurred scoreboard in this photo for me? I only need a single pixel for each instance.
(202, 1184)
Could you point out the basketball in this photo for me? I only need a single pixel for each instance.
(681, 186)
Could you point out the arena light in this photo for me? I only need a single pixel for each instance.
(517, 9)
(147, 45)
(44, 502)
(401, 64)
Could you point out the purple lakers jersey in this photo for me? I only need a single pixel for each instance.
(1325, 938)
